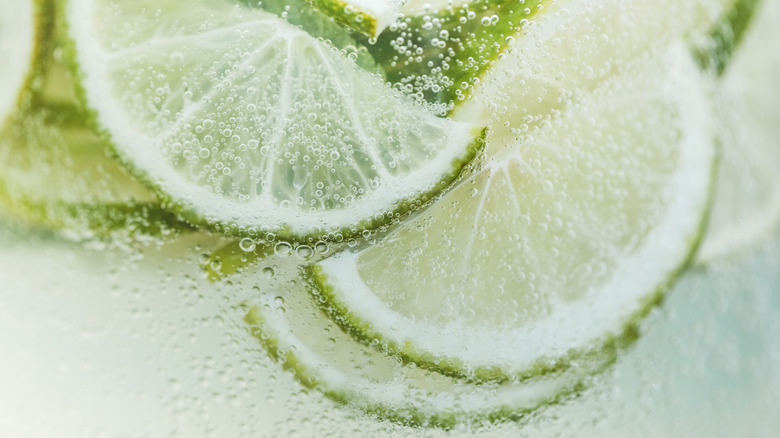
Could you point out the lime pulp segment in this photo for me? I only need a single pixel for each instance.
(558, 245)
(243, 122)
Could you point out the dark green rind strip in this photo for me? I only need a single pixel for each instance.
(725, 36)
(106, 221)
(356, 20)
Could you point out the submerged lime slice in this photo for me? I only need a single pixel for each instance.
(747, 204)
(557, 246)
(246, 123)
(55, 170)
(17, 44)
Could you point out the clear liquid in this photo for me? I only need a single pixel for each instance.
(118, 339)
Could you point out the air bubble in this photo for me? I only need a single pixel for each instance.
(304, 252)
(283, 249)
(246, 244)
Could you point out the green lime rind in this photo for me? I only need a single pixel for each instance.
(397, 214)
(407, 396)
(725, 36)
(355, 20)
(469, 39)
(59, 173)
(103, 221)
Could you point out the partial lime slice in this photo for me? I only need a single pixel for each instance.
(370, 17)
(747, 205)
(55, 170)
(245, 123)
(64, 178)
(17, 44)
(283, 317)
(561, 242)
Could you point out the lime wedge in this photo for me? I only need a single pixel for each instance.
(17, 44)
(561, 243)
(246, 123)
(747, 205)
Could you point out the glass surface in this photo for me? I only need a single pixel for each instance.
(124, 316)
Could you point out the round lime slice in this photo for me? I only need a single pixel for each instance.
(243, 122)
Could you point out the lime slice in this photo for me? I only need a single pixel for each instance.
(17, 44)
(244, 122)
(561, 242)
(747, 205)
(283, 317)
(55, 170)
(370, 17)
